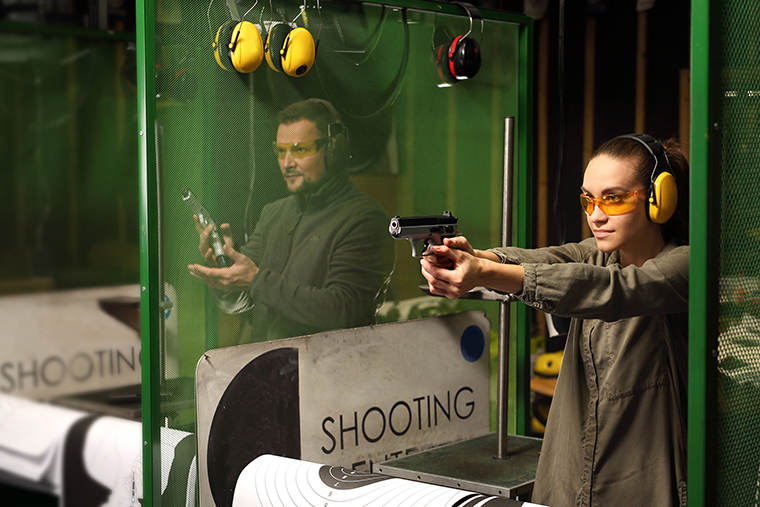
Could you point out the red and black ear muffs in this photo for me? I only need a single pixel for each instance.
(180, 85)
(662, 197)
(460, 59)
(464, 57)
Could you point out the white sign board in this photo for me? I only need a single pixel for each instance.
(345, 398)
(64, 342)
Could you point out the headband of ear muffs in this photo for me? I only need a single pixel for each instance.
(662, 197)
(291, 51)
(242, 46)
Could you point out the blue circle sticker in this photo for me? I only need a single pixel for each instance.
(472, 343)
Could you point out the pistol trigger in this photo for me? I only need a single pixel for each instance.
(427, 250)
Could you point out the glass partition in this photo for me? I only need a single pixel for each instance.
(313, 224)
(69, 160)
(69, 262)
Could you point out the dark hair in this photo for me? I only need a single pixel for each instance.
(313, 110)
(677, 228)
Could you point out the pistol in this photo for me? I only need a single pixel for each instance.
(427, 231)
(215, 239)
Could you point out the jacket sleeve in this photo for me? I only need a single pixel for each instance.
(567, 281)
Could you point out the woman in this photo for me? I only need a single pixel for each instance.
(616, 432)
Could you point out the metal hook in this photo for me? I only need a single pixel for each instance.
(300, 13)
(249, 10)
(208, 17)
(469, 15)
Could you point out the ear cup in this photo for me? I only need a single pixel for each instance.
(663, 198)
(298, 52)
(464, 57)
(220, 44)
(274, 43)
(337, 151)
(442, 64)
(245, 47)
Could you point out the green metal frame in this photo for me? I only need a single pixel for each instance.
(524, 222)
(704, 256)
(149, 254)
(149, 282)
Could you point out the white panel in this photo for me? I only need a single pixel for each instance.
(367, 394)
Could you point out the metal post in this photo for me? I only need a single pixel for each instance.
(502, 380)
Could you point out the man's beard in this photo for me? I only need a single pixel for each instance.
(311, 187)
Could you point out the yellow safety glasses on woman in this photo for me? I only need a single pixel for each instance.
(610, 204)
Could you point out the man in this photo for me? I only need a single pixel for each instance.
(318, 259)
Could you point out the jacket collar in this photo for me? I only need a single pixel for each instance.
(332, 189)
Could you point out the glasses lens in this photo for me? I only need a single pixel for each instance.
(298, 150)
(611, 204)
(587, 203)
(617, 204)
(280, 150)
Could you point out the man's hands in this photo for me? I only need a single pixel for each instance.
(203, 246)
(234, 278)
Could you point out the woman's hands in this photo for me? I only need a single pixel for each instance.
(455, 268)
(452, 269)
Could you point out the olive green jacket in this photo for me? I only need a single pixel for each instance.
(324, 263)
(616, 431)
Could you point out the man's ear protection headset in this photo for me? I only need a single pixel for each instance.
(663, 192)
(238, 46)
(337, 151)
(460, 58)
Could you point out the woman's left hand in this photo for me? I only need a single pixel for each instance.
(452, 272)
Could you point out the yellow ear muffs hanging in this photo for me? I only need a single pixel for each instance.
(291, 51)
(246, 47)
(242, 46)
(298, 52)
